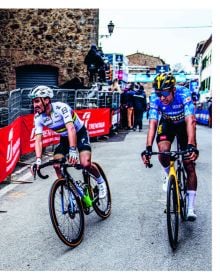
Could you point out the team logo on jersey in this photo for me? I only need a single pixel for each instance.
(159, 129)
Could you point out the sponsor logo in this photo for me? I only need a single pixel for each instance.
(12, 150)
(10, 145)
(163, 137)
(85, 118)
(187, 99)
(177, 106)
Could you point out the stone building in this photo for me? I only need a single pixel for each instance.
(143, 63)
(46, 46)
(141, 59)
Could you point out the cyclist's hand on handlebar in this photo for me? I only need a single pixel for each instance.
(146, 155)
(193, 152)
(73, 156)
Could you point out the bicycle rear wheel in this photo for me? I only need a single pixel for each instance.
(66, 213)
(102, 206)
(172, 213)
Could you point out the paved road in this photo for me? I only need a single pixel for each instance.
(133, 238)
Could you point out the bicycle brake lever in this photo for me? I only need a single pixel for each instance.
(149, 165)
(34, 170)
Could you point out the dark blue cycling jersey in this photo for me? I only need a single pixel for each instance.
(181, 106)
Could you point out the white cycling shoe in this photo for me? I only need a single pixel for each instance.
(102, 190)
(191, 216)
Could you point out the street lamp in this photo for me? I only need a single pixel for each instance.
(110, 30)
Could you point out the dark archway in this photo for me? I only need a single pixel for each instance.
(28, 76)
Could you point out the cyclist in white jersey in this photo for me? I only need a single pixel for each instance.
(61, 118)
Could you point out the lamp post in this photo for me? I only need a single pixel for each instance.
(110, 31)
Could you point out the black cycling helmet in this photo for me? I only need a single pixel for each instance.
(164, 81)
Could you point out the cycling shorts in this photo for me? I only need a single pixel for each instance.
(167, 130)
(83, 143)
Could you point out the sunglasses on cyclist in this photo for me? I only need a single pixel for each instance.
(163, 93)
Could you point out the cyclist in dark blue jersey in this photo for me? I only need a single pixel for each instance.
(172, 107)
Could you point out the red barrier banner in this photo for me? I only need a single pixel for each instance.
(96, 120)
(9, 147)
(18, 138)
(28, 135)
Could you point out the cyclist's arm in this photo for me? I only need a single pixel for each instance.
(191, 129)
(71, 134)
(151, 132)
(38, 145)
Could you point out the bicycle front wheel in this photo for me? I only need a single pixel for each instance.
(66, 213)
(172, 213)
(182, 192)
(102, 206)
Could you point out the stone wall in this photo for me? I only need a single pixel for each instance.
(55, 37)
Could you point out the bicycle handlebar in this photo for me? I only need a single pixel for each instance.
(62, 162)
(170, 153)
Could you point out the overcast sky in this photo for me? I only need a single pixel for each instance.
(150, 27)
(168, 34)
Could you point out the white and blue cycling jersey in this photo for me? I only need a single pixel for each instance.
(60, 115)
(181, 106)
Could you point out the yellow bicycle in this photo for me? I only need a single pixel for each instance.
(176, 194)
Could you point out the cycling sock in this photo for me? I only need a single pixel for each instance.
(191, 199)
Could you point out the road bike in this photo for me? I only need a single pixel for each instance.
(69, 200)
(177, 202)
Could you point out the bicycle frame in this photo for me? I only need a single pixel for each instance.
(70, 180)
(173, 172)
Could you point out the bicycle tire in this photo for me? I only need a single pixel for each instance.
(66, 213)
(172, 213)
(102, 206)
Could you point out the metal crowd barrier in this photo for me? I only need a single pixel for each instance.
(19, 103)
(4, 108)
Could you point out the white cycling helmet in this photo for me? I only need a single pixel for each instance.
(41, 91)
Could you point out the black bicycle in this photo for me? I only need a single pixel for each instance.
(177, 201)
(69, 200)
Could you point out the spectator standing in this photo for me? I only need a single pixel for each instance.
(140, 105)
(95, 64)
(123, 109)
(129, 104)
(115, 86)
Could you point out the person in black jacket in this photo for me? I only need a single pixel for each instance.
(140, 105)
(94, 63)
(129, 105)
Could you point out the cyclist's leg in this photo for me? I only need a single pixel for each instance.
(165, 136)
(164, 139)
(60, 151)
(189, 166)
(85, 154)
